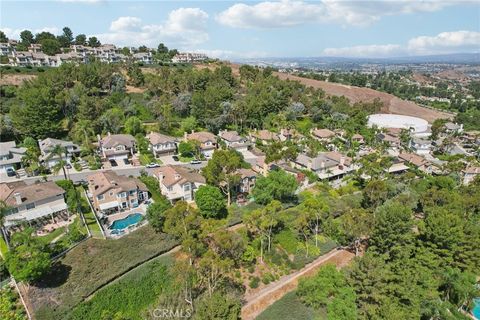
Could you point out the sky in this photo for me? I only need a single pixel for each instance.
(255, 29)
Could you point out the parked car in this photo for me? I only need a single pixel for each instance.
(175, 158)
(153, 165)
(195, 161)
(11, 172)
(68, 166)
(113, 163)
(126, 161)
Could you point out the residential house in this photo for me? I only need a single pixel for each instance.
(452, 128)
(418, 162)
(248, 177)
(117, 146)
(392, 141)
(31, 202)
(233, 140)
(189, 57)
(5, 48)
(161, 144)
(178, 182)
(358, 138)
(289, 135)
(323, 135)
(264, 137)
(207, 140)
(111, 193)
(143, 57)
(421, 146)
(326, 165)
(49, 159)
(10, 156)
(470, 173)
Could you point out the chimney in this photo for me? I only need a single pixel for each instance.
(18, 198)
(322, 164)
(342, 160)
(309, 164)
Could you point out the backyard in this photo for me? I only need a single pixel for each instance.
(90, 266)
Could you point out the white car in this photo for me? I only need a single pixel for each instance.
(195, 161)
(153, 165)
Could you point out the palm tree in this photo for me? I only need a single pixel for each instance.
(83, 132)
(59, 151)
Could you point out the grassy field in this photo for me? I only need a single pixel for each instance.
(290, 307)
(131, 295)
(91, 265)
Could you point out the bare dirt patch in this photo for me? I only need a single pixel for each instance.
(15, 79)
(132, 89)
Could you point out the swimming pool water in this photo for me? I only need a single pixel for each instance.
(476, 308)
(126, 222)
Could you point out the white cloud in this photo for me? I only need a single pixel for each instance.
(15, 33)
(446, 42)
(442, 43)
(126, 24)
(385, 50)
(288, 13)
(184, 27)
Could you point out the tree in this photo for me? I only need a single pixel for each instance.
(135, 75)
(39, 37)
(4, 210)
(156, 213)
(262, 222)
(358, 224)
(133, 126)
(27, 37)
(393, 229)
(329, 289)
(162, 48)
(186, 148)
(212, 270)
(112, 120)
(218, 306)
(26, 260)
(60, 152)
(81, 40)
(50, 46)
(93, 42)
(278, 185)
(221, 171)
(183, 222)
(66, 38)
(3, 37)
(210, 201)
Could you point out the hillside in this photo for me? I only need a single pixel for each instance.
(392, 104)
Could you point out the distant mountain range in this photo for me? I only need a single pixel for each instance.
(455, 58)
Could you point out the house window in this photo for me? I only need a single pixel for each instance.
(124, 205)
(122, 194)
(12, 211)
(111, 193)
(133, 201)
(170, 189)
(119, 148)
(186, 187)
(100, 197)
(132, 192)
(30, 206)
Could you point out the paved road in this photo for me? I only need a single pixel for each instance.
(78, 176)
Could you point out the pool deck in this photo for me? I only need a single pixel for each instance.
(142, 209)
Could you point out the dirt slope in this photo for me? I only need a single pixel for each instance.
(391, 103)
(15, 79)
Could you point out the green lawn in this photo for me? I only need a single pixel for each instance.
(131, 295)
(52, 235)
(92, 224)
(291, 307)
(3, 247)
(91, 265)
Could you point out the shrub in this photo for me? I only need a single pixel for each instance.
(254, 282)
(267, 278)
(77, 166)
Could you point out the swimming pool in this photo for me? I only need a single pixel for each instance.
(126, 222)
(476, 308)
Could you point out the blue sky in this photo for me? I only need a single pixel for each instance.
(231, 29)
